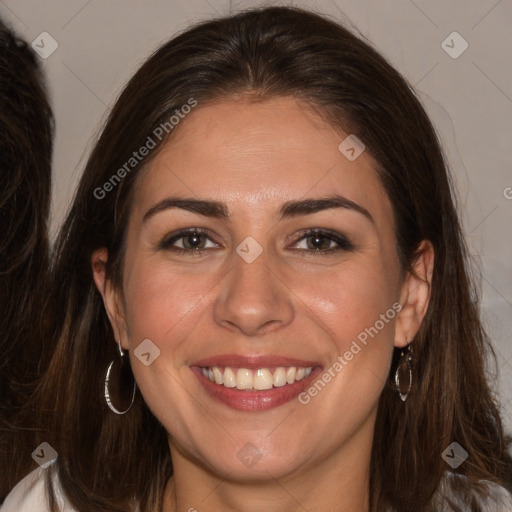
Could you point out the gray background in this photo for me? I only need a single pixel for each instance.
(102, 42)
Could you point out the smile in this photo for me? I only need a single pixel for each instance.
(255, 379)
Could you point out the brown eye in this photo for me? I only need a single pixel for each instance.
(191, 240)
(320, 241)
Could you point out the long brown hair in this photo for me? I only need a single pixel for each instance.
(26, 141)
(106, 461)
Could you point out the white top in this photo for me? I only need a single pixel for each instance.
(30, 496)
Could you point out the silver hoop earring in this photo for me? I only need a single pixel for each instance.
(118, 375)
(403, 374)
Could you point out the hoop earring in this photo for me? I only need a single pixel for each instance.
(403, 374)
(123, 374)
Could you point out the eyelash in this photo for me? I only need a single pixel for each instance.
(343, 242)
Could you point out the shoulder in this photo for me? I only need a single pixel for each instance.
(29, 495)
(491, 497)
(497, 498)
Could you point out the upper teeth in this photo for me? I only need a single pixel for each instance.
(262, 378)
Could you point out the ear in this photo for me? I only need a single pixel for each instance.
(112, 298)
(415, 295)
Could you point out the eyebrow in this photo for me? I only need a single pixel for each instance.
(290, 209)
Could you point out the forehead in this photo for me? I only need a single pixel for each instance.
(256, 155)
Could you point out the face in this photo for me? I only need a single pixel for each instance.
(293, 300)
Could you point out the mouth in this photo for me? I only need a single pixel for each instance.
(254, 383)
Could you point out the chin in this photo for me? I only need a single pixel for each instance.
(251, 463)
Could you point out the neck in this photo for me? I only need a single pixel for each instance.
(338, 482)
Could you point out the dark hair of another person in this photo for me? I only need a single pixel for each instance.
(106, 461)
(26, 140)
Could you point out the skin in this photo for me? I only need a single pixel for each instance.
(289, 301)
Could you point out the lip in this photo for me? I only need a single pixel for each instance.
(243, 400)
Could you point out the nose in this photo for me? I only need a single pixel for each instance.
(253, 299)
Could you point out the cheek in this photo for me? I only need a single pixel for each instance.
(351, 298)
(160, 303)
(355, 307)
(163, 306)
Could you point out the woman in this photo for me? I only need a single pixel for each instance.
(274, 246)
